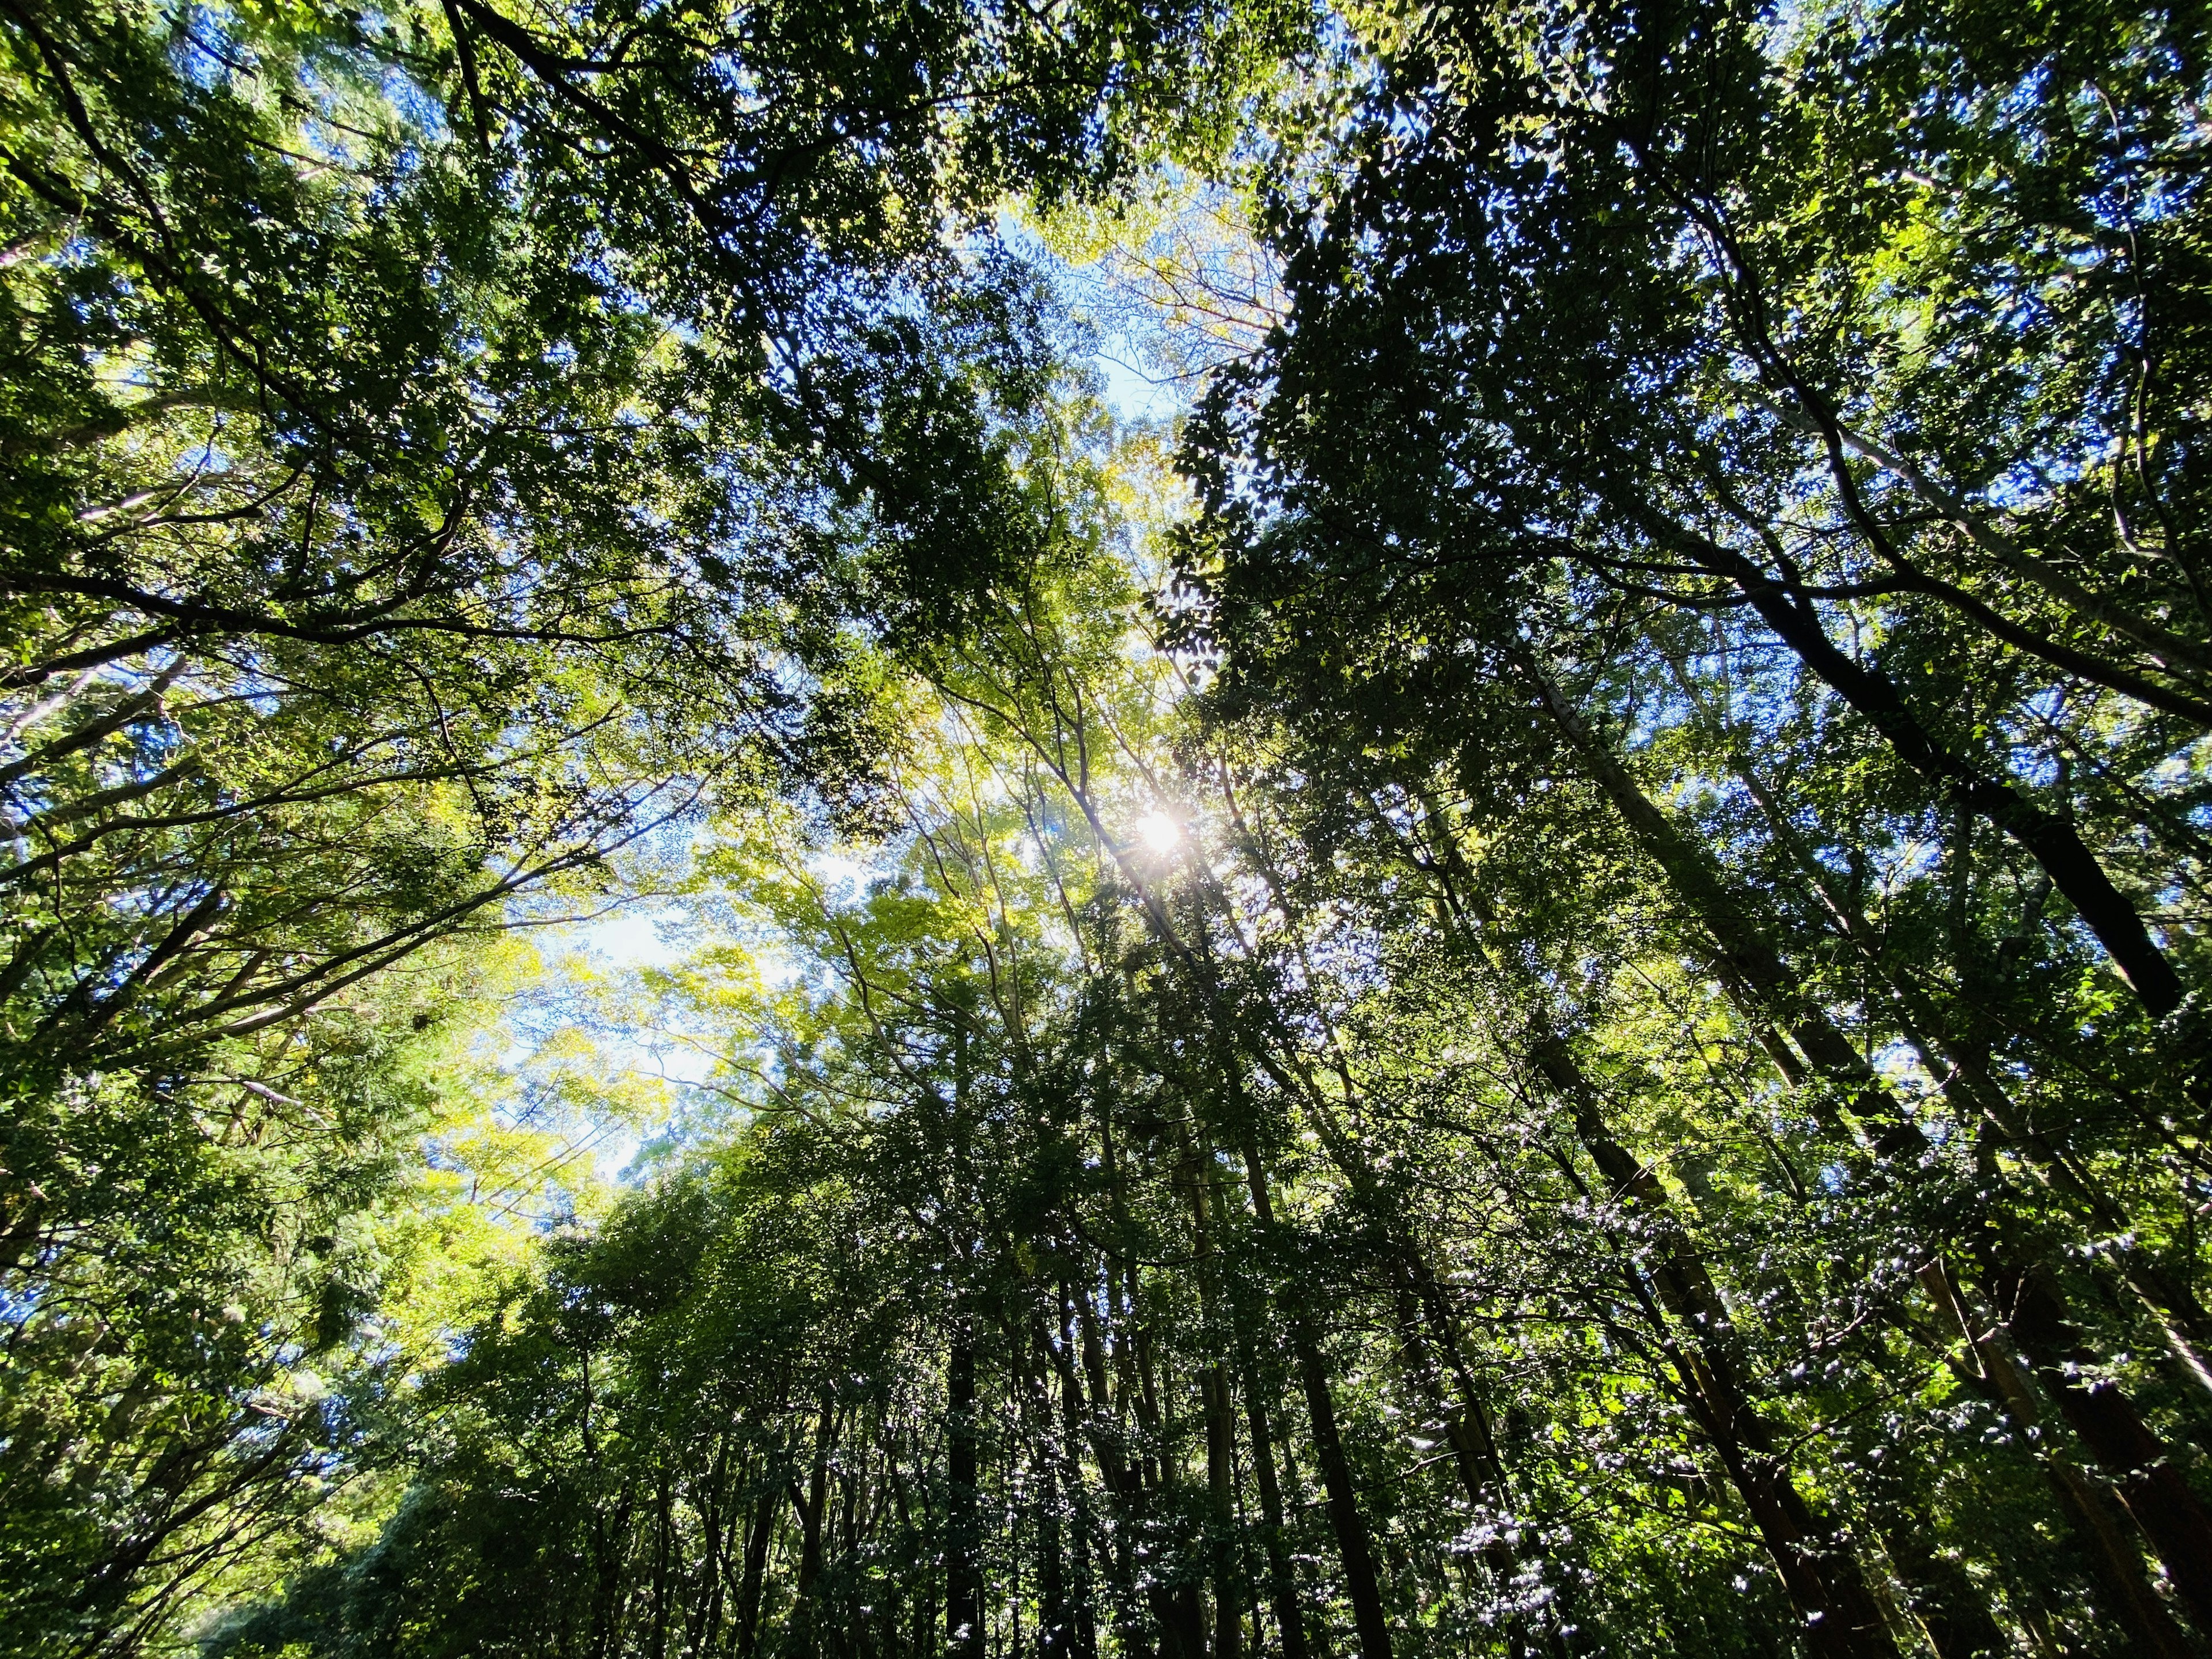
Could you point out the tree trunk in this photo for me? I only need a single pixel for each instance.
(1282, 1579)
(2132, 1457)
(2172, 1517)
(1819, 1566)
(2047, 838)
(964, 1580)
(1221, 1500)
(759, 1529)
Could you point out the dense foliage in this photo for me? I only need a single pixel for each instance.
(1536, 986)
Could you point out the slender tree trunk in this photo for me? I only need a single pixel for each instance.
(1221, 1495)
(1825, 1582)
(1357, 1554)
(1941, 1597)
(1194, 1157)
(1968, 1077)
(963, 1579)
(2047, 838)
(810, 1505)
(702, 1625)
(1475, 1457)
(1360, 1582)
(2173, 1518)
(1054, 1634)
(1083, 1632)
(657, 1641)
(1282, 1579)
(2132, 1457)
(2086, 1503)
(1175, 1608)
(1818, 1564)
(1100, 1424)
(758, 1532)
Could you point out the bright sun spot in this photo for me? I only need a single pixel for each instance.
(1159, 832)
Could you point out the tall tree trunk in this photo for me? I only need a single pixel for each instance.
(2132, 1457)
(2047, 838)
(1819, 1566)
(1282, 1579)
(1357, 1554)
(759, 1529)
(809, 1505)
(703, 1621)
(1969, 1078)
(1099, 1423)
(1941, 1597)
(1475, 1457)
(964, 1577)
(1221, 1501)
(2173, 1518)
(1054, 1636)
(657, 1639)
(1194, 1159)
(1819, 1569)
(1360, 1582)
(2086, 1503)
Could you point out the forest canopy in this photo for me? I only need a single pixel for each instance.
(1105, 830)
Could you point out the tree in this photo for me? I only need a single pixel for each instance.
(445, 448)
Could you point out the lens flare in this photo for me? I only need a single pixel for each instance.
(1159, 832)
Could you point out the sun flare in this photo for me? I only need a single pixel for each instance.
(1159, 832)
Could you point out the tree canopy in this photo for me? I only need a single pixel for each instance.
(1531, 981)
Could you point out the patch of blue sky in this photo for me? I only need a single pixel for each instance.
(1135, 397)
(1154, 312)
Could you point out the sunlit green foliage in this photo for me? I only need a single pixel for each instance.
(1549, 1003)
